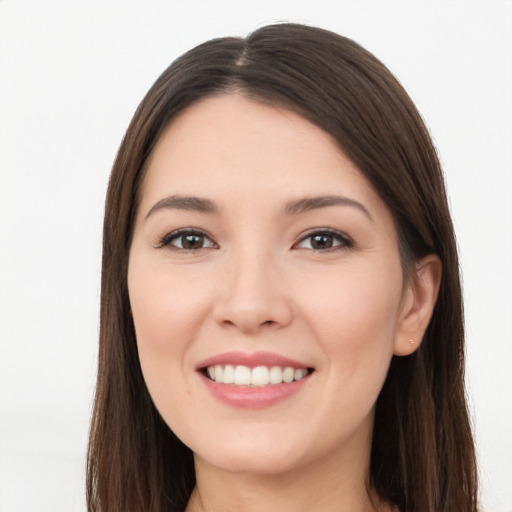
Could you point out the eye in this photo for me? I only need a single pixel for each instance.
(324, 240)
(187, 240)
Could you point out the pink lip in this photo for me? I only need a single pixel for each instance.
(251, 360)
(252, 397)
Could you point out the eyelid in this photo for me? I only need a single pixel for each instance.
(167, 239)
(343, 238)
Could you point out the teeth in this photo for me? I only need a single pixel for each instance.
(229, 374)
(219, 373)
(300, 374)
(242, 376)
(288, 374)
(258, 376)
(276, 375)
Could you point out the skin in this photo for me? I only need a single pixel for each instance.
(258, 284)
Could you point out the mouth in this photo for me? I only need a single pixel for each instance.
(254, 380)
(254, 377)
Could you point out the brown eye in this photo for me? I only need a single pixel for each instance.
(324, 240)
(191, 241)
(187, 240)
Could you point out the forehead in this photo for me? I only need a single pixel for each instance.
(231, 148)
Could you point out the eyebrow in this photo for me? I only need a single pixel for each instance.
(307, 204)
(295, 207)
(190, 203)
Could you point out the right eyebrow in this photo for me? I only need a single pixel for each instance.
(191, 203)
(306, 204)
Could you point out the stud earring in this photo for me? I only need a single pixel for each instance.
(411, 341)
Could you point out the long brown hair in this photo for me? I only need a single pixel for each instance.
(422, 452)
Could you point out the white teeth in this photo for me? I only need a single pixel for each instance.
(276, 375)
(229, 374)
(288, 374)
(219, 373)
(257, 376)
(260, 376)
(300, 373)
(242, 376)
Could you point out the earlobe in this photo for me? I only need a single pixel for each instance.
(418, 304)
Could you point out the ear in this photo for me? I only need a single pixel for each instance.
(420, 295)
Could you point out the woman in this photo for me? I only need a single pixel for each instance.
(281, 320)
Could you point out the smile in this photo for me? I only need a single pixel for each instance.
(253, 380)
(259, 376)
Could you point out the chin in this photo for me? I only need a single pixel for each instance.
(253, 463)
(250, 455)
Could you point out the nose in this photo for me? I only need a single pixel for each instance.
(252, 295)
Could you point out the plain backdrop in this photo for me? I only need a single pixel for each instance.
(71, 76)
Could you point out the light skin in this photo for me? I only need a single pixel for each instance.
(287, 249)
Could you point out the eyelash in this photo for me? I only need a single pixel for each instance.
(341, 240)
(167, 240)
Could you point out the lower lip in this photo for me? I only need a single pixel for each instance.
(254, 398)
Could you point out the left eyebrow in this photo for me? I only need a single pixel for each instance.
(306, 204)
(191, 203)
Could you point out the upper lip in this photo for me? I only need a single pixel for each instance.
(251, 360)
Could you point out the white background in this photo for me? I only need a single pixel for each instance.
(71, 75)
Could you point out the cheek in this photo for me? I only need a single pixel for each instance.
(355, 326)
(165, 306)
(355, 315)
(167, 313)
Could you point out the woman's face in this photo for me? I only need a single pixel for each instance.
(266, 289)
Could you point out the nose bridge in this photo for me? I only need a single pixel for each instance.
(252, 295)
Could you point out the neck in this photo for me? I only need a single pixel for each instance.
(325, 486)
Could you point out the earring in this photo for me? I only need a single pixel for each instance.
(411, 341)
